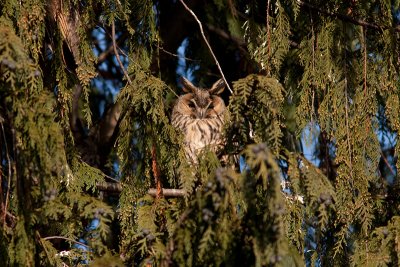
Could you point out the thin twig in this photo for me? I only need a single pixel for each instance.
(132, 61)
(110, 49)
(9, 175)
(209, 46)
(65, 238)
(117, 55)
(111, 178)
(178, 56)
(387, 163)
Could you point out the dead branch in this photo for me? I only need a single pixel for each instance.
(167, 192)
(110, 187)
(207, 43)
(117, 188)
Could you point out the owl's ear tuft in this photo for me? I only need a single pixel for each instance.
(188, 87)
(218, 87)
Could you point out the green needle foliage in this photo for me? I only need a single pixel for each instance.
(307, 172)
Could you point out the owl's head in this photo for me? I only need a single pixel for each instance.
(203, 102)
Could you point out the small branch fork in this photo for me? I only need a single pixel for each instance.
(207, 43)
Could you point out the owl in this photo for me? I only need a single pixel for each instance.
(200, 115)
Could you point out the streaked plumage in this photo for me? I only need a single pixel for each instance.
(200, 115)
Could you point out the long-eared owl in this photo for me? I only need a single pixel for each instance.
(200, 115)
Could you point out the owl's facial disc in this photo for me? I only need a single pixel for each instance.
(200, 112)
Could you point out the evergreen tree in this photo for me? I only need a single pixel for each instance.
(92, 171)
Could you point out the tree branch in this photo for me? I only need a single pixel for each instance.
(117, 188)
(156, 172)
(175, 55)
(117, 55)
(387, 163)
(110, 49)
(9, 174)
(65, 238)
(109, 123)
(347, 18)
(207, 43)
(239, 42)
(68, 21)
(110, 187)
(167, 192)
(75, 107)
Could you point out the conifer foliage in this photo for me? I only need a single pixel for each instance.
(307, 174)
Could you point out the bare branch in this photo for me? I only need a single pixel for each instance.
(209, 47)
(9, 175)
(110, 49)
(387, 163)
(167, 192)
(117, 55)
(117, 188)
(110, 187)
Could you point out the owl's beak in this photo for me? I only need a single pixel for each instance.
(203, 111)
